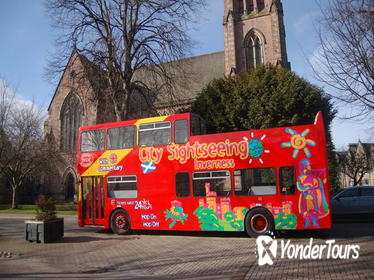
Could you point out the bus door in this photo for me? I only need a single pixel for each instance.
(93, 200)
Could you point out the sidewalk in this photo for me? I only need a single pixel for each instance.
(89, 253)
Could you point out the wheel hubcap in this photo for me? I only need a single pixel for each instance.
(259, 223)
(121, 222)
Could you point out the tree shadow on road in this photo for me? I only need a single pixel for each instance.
(338, 230)
(223, 234)
(85, 238)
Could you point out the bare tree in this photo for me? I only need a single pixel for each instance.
(23, 152)
(355, 165)
(346, 56)
(6, 103)
(6, 98)
(130, 40)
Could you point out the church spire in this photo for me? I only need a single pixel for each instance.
(253, 34)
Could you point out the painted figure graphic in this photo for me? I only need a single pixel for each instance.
(312, 202)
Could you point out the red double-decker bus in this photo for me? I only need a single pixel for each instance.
(166, 173)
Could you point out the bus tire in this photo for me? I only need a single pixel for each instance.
(259, 221)
(120, 222)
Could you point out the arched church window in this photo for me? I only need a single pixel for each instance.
(241, 7)
(250, 54)
(254, 51)
(250, 6)
(260, 5)
(258, 52)
(71, 118)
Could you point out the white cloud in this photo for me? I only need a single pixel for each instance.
(304, 22)
(13, 100)
(317, 60)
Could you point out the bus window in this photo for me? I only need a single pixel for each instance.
(211, 183)
(92, 140)
(263, 181)
(242, 183)
(182, 184)
(122, 187)
(202, 126)
(122, 137)
(180, 131)
(198, 126)
(287, 180)
(255, 181)
(155, 134)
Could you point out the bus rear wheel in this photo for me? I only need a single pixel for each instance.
(259, 221)
(120, 222)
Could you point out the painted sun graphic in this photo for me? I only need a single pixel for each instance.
(256, 148)
(299, 142)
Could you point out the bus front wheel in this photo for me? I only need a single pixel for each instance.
(259, 221)
(120, 222)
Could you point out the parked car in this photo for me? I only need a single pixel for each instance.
(354, 204)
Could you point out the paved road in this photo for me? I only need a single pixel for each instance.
(97, 254)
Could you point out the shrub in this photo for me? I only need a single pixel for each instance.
(45, 208)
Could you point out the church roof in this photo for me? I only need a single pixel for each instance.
(195, 73)
(91, 71)
(366, 148)
(198, 71)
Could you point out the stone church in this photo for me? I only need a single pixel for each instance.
(254, 34)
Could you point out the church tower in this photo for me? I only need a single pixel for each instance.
(254, 34)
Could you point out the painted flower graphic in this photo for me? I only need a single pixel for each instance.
(175, 213)
(284, 221)
(299, 142)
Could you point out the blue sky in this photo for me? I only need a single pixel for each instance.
(26, 39)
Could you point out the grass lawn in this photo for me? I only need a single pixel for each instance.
(31, 209)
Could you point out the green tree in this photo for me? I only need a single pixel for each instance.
(268, 96)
